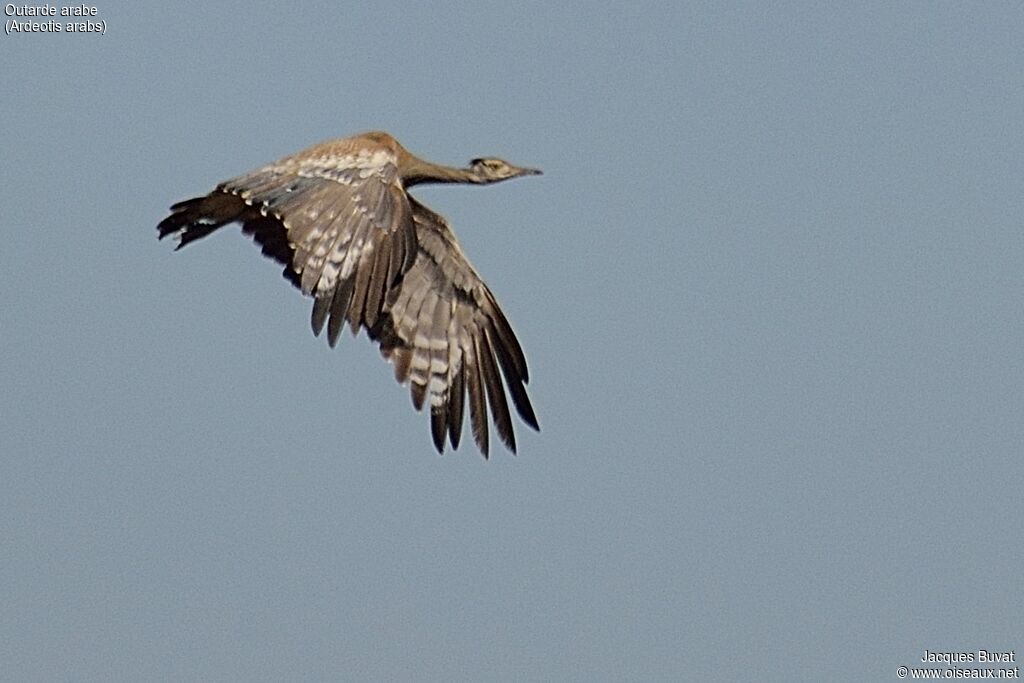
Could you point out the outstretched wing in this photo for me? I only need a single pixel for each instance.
(336, 215)
(445, 333)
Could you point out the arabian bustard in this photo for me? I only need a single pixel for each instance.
(340, 219)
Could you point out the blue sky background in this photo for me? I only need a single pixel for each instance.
(769, 288)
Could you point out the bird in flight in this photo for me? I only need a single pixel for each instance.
(340, 219)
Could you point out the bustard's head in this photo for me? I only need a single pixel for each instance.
(489, 170)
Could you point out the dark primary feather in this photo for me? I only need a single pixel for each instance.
(339, 220)
(196, 218)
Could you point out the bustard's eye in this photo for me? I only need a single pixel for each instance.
(492, 164)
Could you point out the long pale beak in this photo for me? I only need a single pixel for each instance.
(530, 171)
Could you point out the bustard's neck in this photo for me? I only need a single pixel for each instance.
(420, 172)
